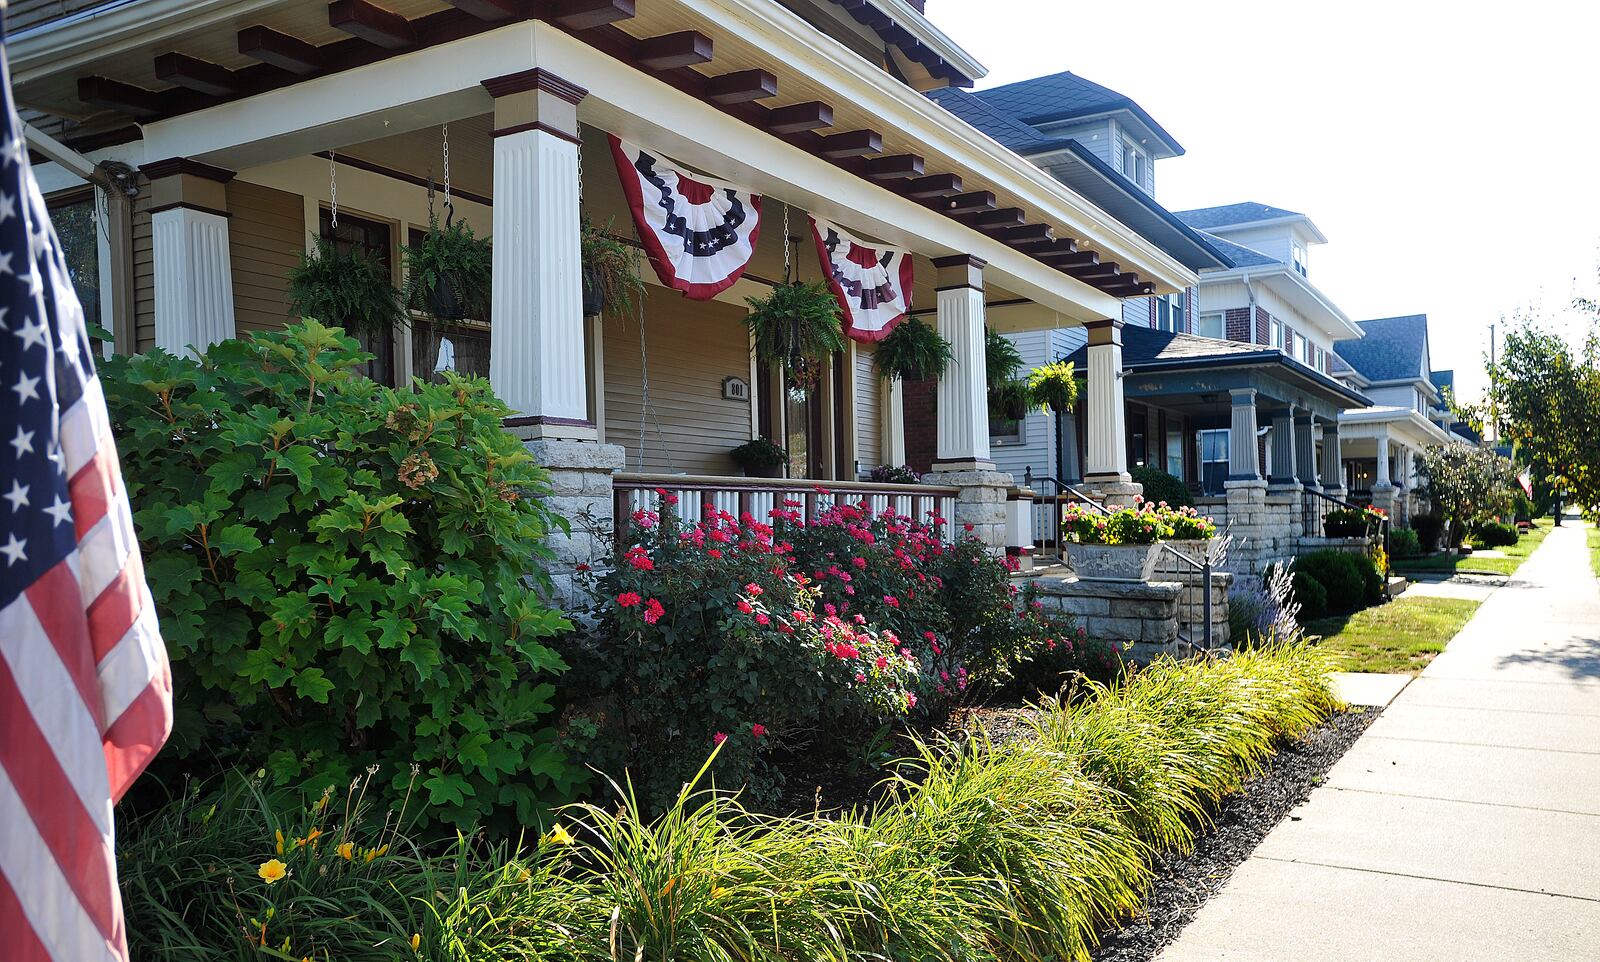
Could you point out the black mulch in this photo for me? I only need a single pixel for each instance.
(1183, 883)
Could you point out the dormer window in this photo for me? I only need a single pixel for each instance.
(1299, 253)
(1133, 162)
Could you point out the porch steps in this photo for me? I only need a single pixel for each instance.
(1396, 586)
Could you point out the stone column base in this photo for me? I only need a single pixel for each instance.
(1114, 494)
(581, 492)
(1140, 618)
(981, 503)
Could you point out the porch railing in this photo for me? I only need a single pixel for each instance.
(758, 497)
(1195, 608)
(1050, 497)
(1316, 506)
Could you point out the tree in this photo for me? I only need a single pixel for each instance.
(1465, 482)
(1546, 396)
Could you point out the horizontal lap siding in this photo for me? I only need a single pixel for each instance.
(692, 346)
(869, 409)
(266, 234)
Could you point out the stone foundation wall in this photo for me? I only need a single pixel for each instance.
(581, 492)
(981, 503)
(1141, 618)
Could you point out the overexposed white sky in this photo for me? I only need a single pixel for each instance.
(1449, 151)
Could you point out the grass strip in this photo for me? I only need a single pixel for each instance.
(1477, 563)
(1401, 636)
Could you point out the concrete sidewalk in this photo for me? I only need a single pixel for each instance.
(1465, 824)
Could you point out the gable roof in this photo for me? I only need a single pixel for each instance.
(1004, 128)
(1232, 215)
(1065, 96)
(1240, 255)
(1443, 380)
(1391, 348)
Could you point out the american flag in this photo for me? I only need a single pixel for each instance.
(85, 692)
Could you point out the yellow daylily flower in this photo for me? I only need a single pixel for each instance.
(272, 870)
(718, 891)
(416, 941)
(559, 836)
(347, 850)
(524, 875)
(279, 835)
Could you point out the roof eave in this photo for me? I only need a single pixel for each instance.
(1342, 328)
(1267, 358)
(918, 24)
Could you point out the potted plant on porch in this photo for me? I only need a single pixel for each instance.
(1008, 393)
(1053, 387)
(611, 280)
(1120, 545)
(449, 273)
(798, 326)
(1347, 523)
(760, 458)
(344, 288)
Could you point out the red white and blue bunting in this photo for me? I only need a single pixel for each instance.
(699, 233)
(873, 284)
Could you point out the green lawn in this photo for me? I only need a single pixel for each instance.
(1401, 636)
(1594, 549)
(1475, 564)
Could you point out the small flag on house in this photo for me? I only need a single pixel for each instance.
(1526, 480)
(872, 282)
(85, 691)
(699, 233)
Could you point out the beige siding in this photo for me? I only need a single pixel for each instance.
(144, 274)
(692, 346)
(266, 234)
(869, 410)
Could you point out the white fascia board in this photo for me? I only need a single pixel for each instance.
(924, 30)
(1268, 222)
(112, 28)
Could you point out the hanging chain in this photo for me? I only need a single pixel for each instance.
(333, 190)
(786, 277)
(580, 176)
(447, 165)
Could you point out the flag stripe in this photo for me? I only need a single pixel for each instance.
(92, 487)
(68, 632)
(129, 741)
(51, 800)
(48, 900)
(132, 664)
(114, 612)
(22, 945)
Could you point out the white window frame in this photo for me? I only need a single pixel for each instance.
(1132, 150)
(1297, 256)
(1221, 320)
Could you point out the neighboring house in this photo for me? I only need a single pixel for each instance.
(1391, 365)
(207, 148)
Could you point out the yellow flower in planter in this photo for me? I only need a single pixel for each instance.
(272, 870)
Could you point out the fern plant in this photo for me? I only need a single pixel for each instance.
(1001, 360)
(612, 283)
(913, 351)
(798, 326)
(344, 288)
(1053, 386)
(449, 273)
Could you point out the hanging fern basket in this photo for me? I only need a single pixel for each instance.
(443, 303)
(594, 291)
(798, 326)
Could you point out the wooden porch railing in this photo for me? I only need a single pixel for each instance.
(758, 497)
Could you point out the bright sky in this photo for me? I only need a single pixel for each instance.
(1449, 155)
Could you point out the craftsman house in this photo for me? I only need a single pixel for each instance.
(207, 143)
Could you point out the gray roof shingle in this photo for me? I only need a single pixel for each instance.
(1391, 348)
(1228, 215)
(1004, 128)
(1240, 255)
(1063, 96)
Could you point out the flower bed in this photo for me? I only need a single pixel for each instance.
(1025, 850)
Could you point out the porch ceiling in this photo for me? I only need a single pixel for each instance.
(914, 149)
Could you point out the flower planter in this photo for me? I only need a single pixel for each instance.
(594, 292)
(763, 471)
(1113, 562)
(1345, 529)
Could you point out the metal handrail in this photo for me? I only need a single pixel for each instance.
(1064, 494)
(1216, 556)
(1383, 524)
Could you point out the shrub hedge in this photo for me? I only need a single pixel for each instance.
(1493, 534)
(1160, 486)
(1021, 851)
(1404, 543)
(1350, 581)
(1430, 529)
(346, 575)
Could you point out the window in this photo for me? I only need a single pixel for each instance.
(1298, 252)
(1212, 324)
(1004, 430)
(1213, 460)
(1308, 352)
(1278, 333)
(1133, 162)
(75, 224)
(1169, 312)
(1175, 453)
(460, 346)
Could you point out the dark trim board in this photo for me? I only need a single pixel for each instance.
(400, 175)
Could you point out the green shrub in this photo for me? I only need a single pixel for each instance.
(1340, 575)
(1371, 578)
(1160, 486)
(1404, 543)
(1493, 534)
(346, 574)
(1310, 596)
(1430, 530)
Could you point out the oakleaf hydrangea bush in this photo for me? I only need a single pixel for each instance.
(346, 575)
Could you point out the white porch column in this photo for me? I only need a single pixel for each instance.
(1305, 450)
(1243, 458)
(894, 423)
(536, 343)
(1106, 458)
(1382, 477)
(963, 415)
(1332, 461)
(1284, 471)
(189, 246)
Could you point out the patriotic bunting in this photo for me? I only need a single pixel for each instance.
(873, 284)
(699, 233)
